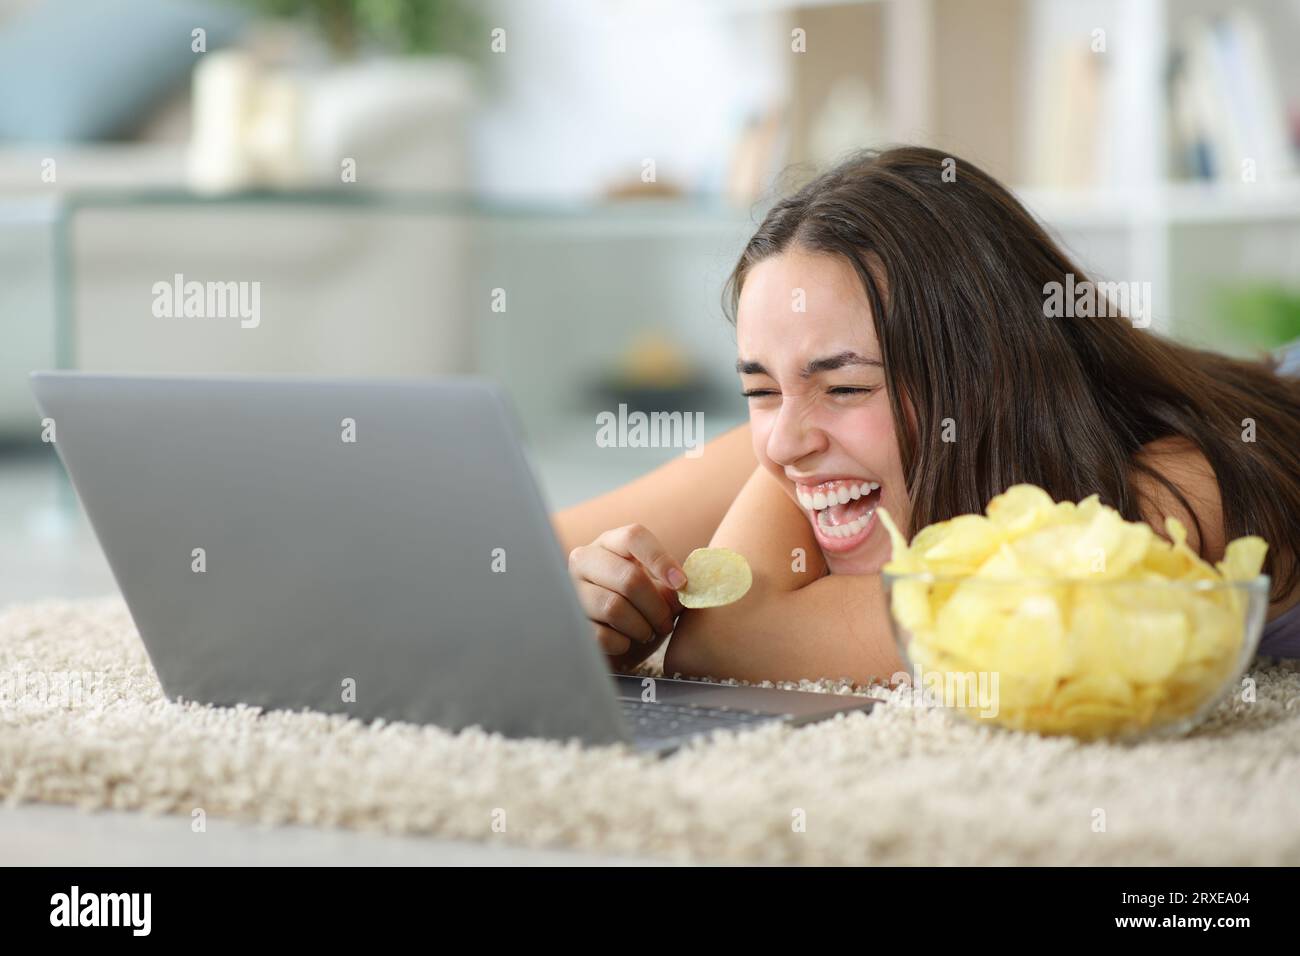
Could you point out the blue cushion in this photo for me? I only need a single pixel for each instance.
(75, 70)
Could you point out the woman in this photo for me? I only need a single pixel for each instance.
(896, 352)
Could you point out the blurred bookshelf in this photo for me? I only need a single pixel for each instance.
(1157, 139)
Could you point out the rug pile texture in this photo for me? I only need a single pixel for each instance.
(83, 721)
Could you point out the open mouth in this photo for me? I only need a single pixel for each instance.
(843, 511)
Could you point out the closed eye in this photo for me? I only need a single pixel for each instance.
(837, 390)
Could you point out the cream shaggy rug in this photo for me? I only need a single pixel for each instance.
(903, 785)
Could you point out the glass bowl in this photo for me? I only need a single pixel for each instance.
(1093, 658)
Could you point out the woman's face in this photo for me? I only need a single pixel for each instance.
(818, 409)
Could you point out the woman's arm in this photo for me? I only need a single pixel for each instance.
(681, 502)
(793, 623)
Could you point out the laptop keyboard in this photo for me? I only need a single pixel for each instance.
(664, 721)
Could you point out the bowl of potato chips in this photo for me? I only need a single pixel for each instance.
(1063, 618)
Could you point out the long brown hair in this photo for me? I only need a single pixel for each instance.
(956, 274)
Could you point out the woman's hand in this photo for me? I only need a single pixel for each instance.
(627, 583)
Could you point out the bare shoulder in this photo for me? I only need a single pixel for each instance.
(1180, 462)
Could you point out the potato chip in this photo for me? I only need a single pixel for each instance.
(714, 577)
(1013, 631)
(1160, 561)
(1021, 509)
(911, 603)
(1193, 567)
(901, 560)
(958, 546)
(1243, 559)
(1126, 631)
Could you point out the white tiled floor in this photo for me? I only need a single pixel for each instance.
(47, 550)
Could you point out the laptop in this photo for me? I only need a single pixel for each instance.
(376, 549)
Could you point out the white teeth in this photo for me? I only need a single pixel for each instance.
(840, 495)
(845, 530)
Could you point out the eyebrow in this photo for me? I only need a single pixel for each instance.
(828, 364)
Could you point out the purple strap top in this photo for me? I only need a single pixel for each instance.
(1282, 635)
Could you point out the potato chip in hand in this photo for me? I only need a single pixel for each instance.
(714, 577)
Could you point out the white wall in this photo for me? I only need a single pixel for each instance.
(587, 89)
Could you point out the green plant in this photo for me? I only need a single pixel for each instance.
(402, 26)
(1262, 314)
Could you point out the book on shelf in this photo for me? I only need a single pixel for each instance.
(1228, 118)
(1067, 154)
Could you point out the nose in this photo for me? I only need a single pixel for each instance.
(793, 437)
